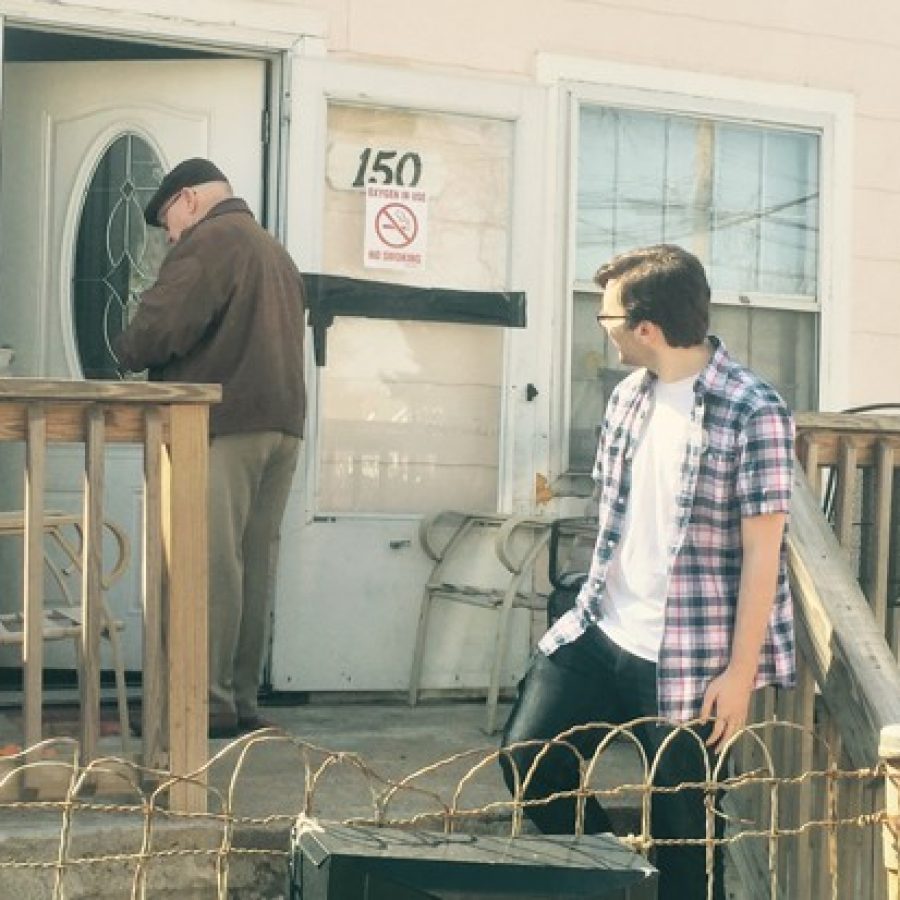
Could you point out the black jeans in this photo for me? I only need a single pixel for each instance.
(594, 680)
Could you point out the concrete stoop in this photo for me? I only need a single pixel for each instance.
(394, 741)
(189, 874)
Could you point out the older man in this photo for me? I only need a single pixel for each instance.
(227, 309)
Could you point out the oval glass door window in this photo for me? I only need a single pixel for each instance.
(117, 255)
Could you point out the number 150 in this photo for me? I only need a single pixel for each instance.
(390, 171)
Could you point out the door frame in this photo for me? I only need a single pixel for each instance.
(302, 80)
(239, 37)
(303, 33)
(319, 81)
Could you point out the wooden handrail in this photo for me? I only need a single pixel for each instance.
(848, 682)
(74, 390)
(837, 633)
(170, 423)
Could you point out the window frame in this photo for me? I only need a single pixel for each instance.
(575, 81)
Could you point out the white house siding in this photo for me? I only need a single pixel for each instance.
(824, 44)
(835, 46)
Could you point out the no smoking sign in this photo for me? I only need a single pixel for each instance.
(396, 220)
(396, 225)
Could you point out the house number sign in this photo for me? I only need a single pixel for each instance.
(403, 169)
(355, 166)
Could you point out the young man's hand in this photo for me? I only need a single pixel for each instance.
(726, 701)
(727, 698)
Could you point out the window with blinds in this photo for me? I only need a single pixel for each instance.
(743, 197)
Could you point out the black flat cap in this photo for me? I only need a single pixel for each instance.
(189, 173)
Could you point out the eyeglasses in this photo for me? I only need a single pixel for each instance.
(609, 317)
(164, 210)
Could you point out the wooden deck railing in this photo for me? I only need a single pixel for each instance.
(850, 458)
(843, 578)
(170, 423)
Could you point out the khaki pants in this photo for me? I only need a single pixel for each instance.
(250, 478)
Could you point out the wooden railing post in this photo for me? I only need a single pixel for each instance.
(889, 752)
(186, 554)
(171, 422)
(92, 581)
(154, 675)
(33, 603)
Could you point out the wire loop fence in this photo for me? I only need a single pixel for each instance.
(53, 804)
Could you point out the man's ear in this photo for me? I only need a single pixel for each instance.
(191, 199)
(649, 333)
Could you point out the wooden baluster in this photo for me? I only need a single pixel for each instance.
(782, 747)
(154, 671)
(889, 753)
(186, 553)
(818, 848)
(832, 737)
(872, 861)
(846, 494)
(808, 453)
(881, 537)
(92, 581)
(805, 695)
(851, 856)
(33, 648)
(767, 707)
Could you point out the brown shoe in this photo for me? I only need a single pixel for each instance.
(254, 723)
(219, 726)
(223, 727)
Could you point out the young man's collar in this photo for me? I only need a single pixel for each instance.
(708, 375)
(713, 371)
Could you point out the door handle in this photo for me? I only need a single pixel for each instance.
(400, 544)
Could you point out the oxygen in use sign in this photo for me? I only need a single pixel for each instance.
(396, 228)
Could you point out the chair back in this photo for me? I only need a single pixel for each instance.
(571, 549)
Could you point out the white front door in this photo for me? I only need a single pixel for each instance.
(407, 417)
(83, 145)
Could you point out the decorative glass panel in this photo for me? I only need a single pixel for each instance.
(117, 255)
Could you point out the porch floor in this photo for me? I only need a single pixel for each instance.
(392, 741)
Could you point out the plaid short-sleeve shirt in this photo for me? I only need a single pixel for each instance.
(738, 463)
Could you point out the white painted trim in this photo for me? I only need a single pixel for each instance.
(836, 193)
(316, 82)
(566, 139)
(240, 29)
(523, 363)
(694, 90)
(829, 113)
(42, 332)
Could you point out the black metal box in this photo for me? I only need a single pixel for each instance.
(335, 862)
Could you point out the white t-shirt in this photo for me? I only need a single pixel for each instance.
(634, 602)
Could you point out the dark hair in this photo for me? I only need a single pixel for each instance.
(663, 284)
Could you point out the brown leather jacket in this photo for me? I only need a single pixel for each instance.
(226, 309)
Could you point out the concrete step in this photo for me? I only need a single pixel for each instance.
(267, 778)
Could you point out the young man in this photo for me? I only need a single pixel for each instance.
(227, 309)
(686, 609)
